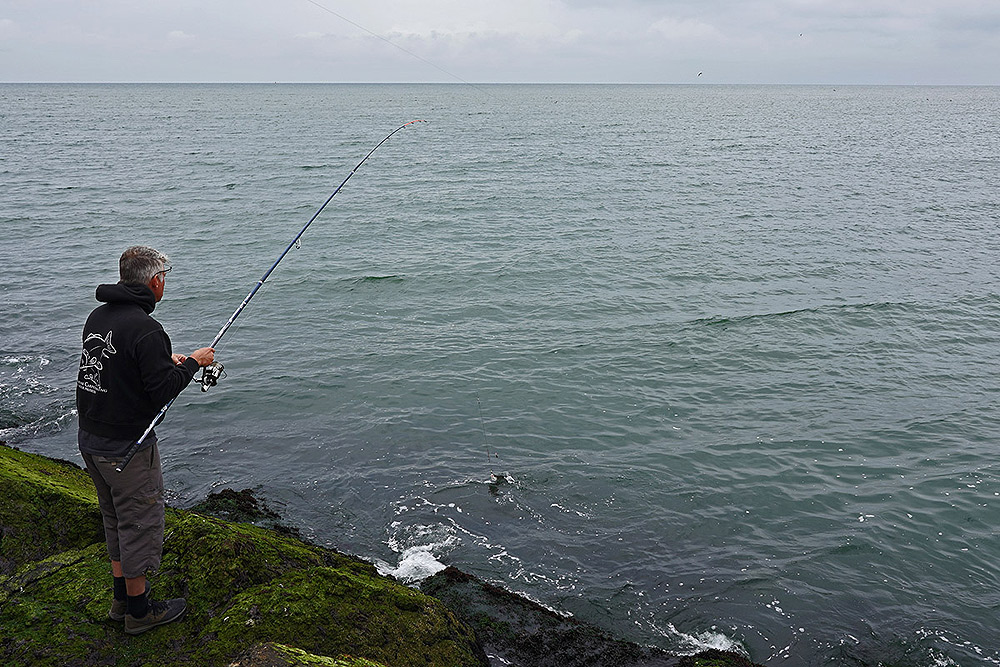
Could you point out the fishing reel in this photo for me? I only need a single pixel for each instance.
(210, 375)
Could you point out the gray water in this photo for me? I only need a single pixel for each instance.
(705, 366)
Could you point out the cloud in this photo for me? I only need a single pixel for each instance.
(842, 41)
(686, 30)
(179, 36)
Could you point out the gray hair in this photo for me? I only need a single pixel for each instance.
(139, 264)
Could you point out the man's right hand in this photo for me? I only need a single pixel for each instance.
(204, 356)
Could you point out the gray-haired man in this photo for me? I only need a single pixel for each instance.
(127, 373)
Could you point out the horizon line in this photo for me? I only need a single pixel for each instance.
(494, 83)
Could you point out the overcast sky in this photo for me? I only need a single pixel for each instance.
(654, 41)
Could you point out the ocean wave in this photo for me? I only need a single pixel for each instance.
(374, 280)
(20, 425)
(832, 309)
(21, 361)
(923, 647)
(30, 404)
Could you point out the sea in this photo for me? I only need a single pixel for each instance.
(702, 365)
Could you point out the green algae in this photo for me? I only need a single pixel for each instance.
(242, 506)
(333, 611)
(37, 495)
(46, 609)
(245, 586)
(279, 655)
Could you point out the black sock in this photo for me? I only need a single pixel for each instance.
(120, 590)
(138, 605)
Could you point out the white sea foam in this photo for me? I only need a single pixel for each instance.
(941, 660)
(415, 564)
(11, 360)
(938, 655)
(419, 547)
(691, 643)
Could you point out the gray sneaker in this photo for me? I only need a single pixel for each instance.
(120, 607)
(160, 613)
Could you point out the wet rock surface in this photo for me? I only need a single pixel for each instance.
(518, 632)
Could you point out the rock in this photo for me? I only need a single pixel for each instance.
(522, 632)
(518, 632)
(258, 597)
(278, 655)
(244, 507)
(46, 506)
(245, 586)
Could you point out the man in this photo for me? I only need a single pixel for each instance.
(127, 374)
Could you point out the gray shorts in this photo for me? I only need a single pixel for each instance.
(132, 506)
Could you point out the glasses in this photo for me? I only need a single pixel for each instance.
(164, 271)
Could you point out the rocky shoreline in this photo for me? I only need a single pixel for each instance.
(259, 596)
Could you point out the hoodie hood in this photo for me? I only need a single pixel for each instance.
(139, 295)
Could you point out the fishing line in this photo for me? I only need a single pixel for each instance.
(482, 424)
(212, 373)
(393, 44)
(457, 78)
(250, 309)
(486, 441)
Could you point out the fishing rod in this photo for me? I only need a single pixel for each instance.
(212, 373)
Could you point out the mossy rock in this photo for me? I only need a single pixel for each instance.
(324, 610)
(46, 506)
(245, 586)
(279, 655)
(245, 507)
(252, 556)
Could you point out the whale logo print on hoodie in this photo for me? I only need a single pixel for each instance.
(96, 348)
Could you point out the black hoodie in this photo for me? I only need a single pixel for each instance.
(126, 372)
